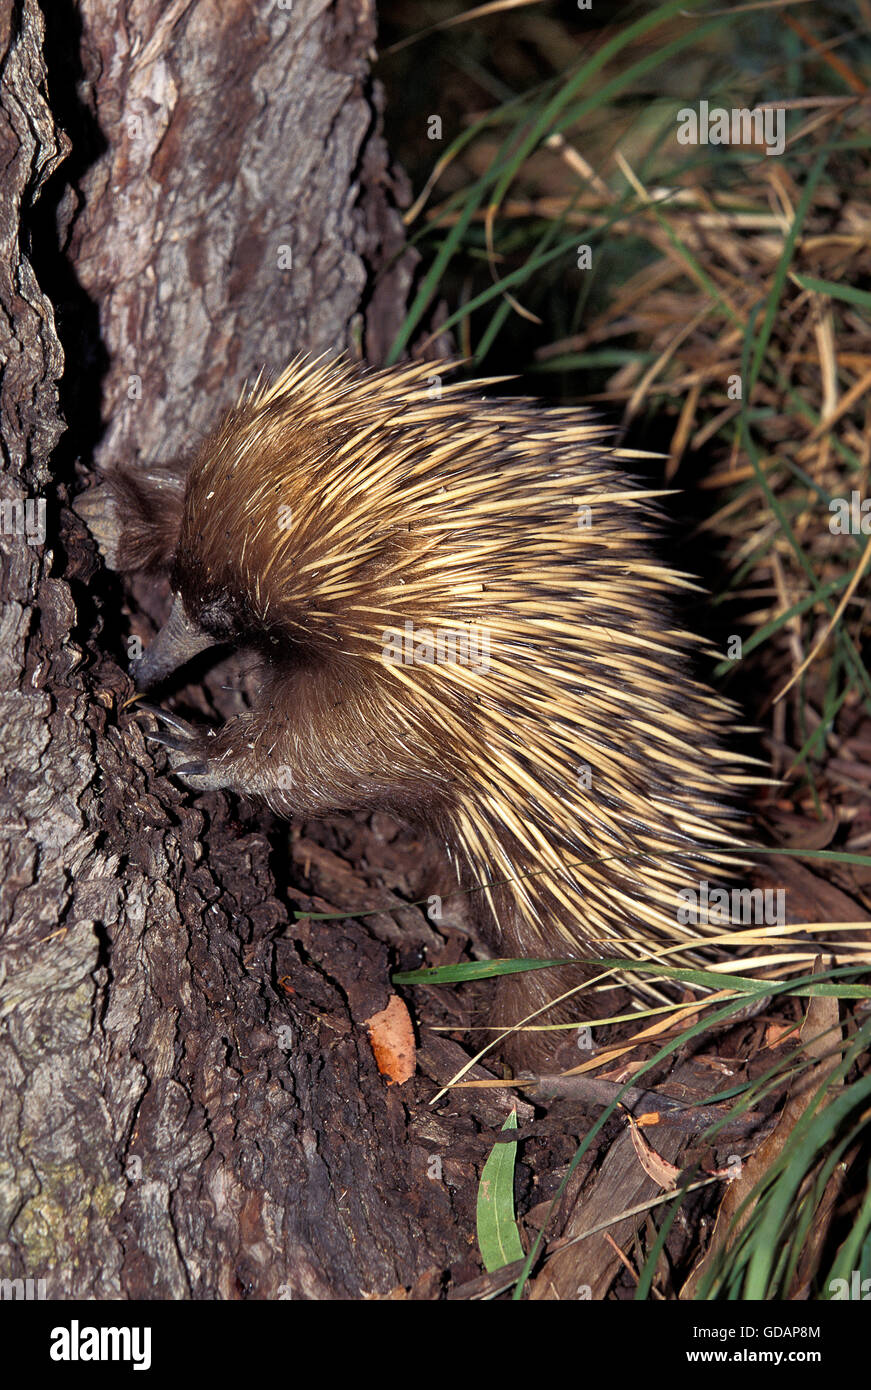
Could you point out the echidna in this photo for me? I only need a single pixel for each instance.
(463, 622)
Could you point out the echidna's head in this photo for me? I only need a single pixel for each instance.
(232, 571)
(288, 532)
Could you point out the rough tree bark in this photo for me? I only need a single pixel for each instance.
(189, 1106)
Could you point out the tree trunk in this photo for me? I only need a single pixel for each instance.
(189, 1104)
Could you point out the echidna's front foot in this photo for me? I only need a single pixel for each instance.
(188, 757)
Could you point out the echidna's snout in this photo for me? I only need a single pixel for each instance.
(178, 641)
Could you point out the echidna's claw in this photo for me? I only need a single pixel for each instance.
(200, 776)
(179, 742)
(185, 739)
(172, 721)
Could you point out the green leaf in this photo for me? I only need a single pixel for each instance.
(498, 1236)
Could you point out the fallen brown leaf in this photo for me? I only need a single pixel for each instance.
(392, 1037)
